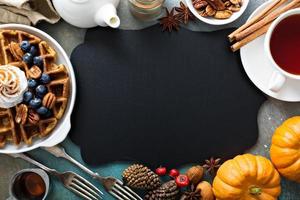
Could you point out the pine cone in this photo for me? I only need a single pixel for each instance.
(141, 177)
(168, 191)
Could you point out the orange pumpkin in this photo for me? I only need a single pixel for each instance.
(285, 149)
(247, 177)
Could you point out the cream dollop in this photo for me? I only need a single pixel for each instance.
(13, 84)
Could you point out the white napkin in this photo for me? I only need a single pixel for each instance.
(27, 11)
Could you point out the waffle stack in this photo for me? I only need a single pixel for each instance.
(10, 130)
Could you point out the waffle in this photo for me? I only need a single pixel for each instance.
(18, 133)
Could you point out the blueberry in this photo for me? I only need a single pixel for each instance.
(27, 58)
(42, 110)
(32, 83)
(45, 79)
(38, 60)
(33, 50)
(27, 96)
(25, 45)
(41, 90)
(48, 114)
(35, 103)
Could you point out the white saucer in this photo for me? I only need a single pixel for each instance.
(259, 69)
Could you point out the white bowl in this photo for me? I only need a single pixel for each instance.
(213, 21)
(60, 132)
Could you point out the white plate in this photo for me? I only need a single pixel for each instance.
(63, 127)
(213, 21)
(259, 68)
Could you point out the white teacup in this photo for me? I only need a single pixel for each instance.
(279, 76)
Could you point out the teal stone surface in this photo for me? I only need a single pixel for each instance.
(271, 114)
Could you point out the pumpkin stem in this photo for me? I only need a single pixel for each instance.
(254, 190)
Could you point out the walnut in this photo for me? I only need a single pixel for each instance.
(21, 114)
(210, 10)
(199, 4)
(35, 72)
(49, 100)
(33, 117)
(224, 14)
(16, 50)
(234, 8)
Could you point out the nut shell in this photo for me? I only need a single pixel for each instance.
(206, 191)
(195, 174)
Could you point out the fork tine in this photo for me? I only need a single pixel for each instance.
(89, 184)
(83, 191)
(79, 193)
(128, 189)
(119, 193)
(115, 195)
(123, 190)
(85, 187)
(133, 193)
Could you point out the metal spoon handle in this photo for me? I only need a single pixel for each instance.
(60, 152)
(36, 163)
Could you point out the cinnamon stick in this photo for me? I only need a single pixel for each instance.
(250, 38)
(267, 19)
(273, 6)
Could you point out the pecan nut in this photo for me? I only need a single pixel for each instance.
(35, 72)
(210, 11)
(225, 14)
(33, 117)
(16, 51)
(199, 4)
(216, 4)
(21, 114)
(234, 8)
(227, 3)
(236, 2)
(49, 100)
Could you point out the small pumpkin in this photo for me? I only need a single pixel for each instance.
(285, 149)
(247, 177)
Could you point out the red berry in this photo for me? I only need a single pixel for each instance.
(161, 171)
(174, 173)
(182, 181)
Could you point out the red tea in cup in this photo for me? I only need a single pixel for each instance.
(285, 44)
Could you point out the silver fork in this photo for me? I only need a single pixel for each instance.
(112, 185)
(71, 180)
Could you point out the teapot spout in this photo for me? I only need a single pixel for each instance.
(107, 16)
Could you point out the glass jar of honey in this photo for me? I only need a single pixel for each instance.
(146, 10)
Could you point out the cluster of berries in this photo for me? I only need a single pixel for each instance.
(181, 179)
(37, 86)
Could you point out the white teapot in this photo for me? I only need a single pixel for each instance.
(89, 13)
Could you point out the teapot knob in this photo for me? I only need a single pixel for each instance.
(107, 16)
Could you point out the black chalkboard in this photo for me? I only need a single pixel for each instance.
(160, 98)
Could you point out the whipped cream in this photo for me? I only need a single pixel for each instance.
(13, 84)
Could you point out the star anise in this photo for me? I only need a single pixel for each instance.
(170, 21)
(191, 194)
(212, 165)
(183, 13)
